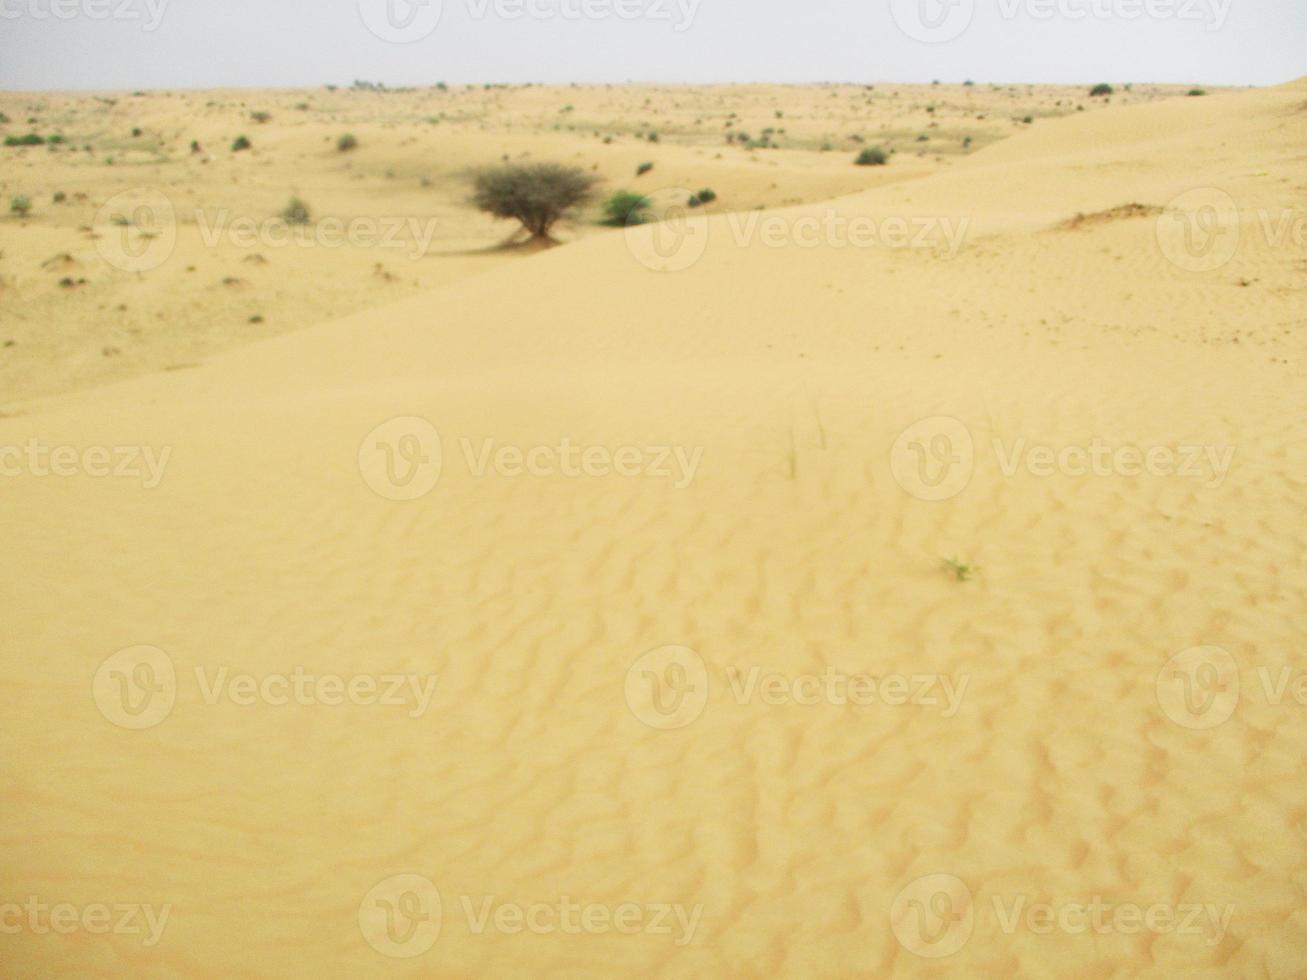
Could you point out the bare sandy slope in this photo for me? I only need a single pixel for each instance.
(1053, 759)
(390, 218)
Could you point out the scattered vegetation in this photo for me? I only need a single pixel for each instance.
(536, 194)
(347, 142)
(705, 196)
(31, 139)
(960, 569)
(872, 156)
(626, 208)
(241, 143)
(296, 212)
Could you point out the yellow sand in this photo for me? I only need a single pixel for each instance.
(540, 773)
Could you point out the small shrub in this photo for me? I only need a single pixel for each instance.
(241, 143)
(296, 212)
(707, 195)
(653, 137)
(136, 133)
(536, 194)
(261, 117)
(643, 169)
(872, 156)
(57, 139)
(1194, 92)
(195, 147)
(20, 205)
(1102, 88)
(31, 139)
(347, 142)
(59, 197)
(626, 208)
(1028, 120)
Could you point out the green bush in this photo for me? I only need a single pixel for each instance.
(707, 195)
(241, 143)
(347, 142)
(536, 194)
(1102, 88)
(20, 205)
(626, 208)
(872, 156)
(261, 117)
(1196, 92)
(31, 139)
(643, 169)
(296, 212)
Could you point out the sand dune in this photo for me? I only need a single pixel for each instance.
(740, 459)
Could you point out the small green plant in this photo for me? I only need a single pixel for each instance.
(1028, 120)
(1102, 88)
(241, 143)
(296, 212)
(872, 156)
(21, 205)
(960, 569)
(347, 142)
(136, 133)
(643, 169)
(1194, 92)
(261, 117)
(707, 195)
(653, 137)
(31, 139)
(626, 208)
(60, 197)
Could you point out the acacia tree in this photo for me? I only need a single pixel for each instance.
(536, 194)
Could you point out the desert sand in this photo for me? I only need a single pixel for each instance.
(671, 488)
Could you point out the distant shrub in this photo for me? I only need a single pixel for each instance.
(57, 139)
(195, 147)
(59, 197)
(136, 133)
(626, 208)
(31, 139)
(1196, 92)
(872, 156)
(536, 194)
(4, 120)
(643, 169)
(301, 107)
(20, 204)
(707, 195)
(653, 137)
(1028, 120)
(261, 117)
(296, 212)
(347, 142)
(1102, 88)
(241, 143)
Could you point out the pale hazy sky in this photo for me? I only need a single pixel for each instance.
(129, 44)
